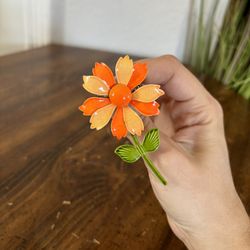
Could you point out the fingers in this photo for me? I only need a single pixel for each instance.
(184, 90)
(177, 81)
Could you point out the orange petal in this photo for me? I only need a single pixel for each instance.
(118, 127)
(147, 109)
(138, 76)
(102, 116)
(132, 121)
(92, 104)
(124, 69)
(104, 72)
(147, 93)
(95, 85)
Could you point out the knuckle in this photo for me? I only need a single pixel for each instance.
(216, 106)
(171, 62)
(171, 58)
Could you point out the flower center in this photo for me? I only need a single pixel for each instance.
(120, 95)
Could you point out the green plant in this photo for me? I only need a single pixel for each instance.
(229, 61)
(132, 153)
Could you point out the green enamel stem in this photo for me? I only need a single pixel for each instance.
(148, 161)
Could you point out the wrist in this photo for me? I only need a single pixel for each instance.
(233, 235)
(229, 229)
(221, 240)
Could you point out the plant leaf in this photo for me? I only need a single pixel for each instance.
(152, 140)
(128, 153)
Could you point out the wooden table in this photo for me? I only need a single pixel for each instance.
(61, 186)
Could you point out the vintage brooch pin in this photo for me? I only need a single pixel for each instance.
(119, 100)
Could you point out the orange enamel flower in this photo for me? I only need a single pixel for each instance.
(118, 99)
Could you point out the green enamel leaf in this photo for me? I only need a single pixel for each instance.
(152, 140)
(128, 153)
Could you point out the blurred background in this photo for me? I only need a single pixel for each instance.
(141, 27)
(211, 37)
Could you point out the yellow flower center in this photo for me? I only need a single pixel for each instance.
(120, 95)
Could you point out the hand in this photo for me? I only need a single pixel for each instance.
(200, 200)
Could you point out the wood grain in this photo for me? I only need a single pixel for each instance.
(60, 188)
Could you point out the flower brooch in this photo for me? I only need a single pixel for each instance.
(119, 100)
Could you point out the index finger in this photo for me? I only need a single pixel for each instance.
(176, 80)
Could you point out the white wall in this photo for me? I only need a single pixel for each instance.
(24, 24)
(142, 27)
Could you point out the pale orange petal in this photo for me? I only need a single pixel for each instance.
(95, 85)
(124, 69)
(132, 121)
(147, 93)
(102, 116)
